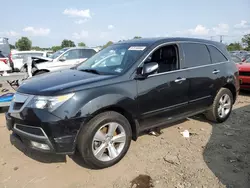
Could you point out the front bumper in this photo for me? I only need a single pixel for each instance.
(40, 126)
(244, 82)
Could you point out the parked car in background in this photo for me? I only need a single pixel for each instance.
(123, 90)
(6, 63)
(244, 75)
(236, 58)
(245, 57)
(18, 56)
(62, 59)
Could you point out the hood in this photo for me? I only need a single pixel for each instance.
(59, 82)
(244, 67)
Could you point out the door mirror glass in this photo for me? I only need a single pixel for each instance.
(150, 68)
(63, 58)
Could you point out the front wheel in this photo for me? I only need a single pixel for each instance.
(104, 140)
(221, 107)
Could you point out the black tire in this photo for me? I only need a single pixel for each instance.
(212, 114)
(40, 72)
(87, 133)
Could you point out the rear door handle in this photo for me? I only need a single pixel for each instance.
(178, 80)
(216, 71)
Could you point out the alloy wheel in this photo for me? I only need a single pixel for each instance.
(224, 106)
(109, 141)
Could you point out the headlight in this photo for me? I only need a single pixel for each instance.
(50, 103)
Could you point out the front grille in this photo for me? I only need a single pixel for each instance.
(31, 130)
(244, 73)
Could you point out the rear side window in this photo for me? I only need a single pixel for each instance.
(216, 55)
(87, 53)
(195, 55)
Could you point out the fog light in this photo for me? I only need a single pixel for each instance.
(40, 145)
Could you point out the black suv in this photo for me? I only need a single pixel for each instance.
(129, 87)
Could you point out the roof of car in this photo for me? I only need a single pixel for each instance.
(150, 41)
(78, 48)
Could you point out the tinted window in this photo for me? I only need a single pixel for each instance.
(86, 53)
(195, 54)
(216, 55)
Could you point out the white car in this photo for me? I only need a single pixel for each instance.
(17, 57)
(62, 59)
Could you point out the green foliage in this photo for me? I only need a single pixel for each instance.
(137, 37)
(234, 46)
(81, 44)
(12, 47)
(108, 44)
(67, 43)
(56, 48)
(246, 41)
(37, 48)
(24, 44)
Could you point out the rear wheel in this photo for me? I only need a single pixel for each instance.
(221, 107)
(104, 140)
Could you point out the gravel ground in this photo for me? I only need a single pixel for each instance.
(214, 156)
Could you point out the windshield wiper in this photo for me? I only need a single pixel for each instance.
(90, 70)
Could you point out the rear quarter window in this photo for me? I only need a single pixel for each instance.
(216, 55)
(195, 54)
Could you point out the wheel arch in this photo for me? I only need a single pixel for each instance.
(133, 123)
(232, 88)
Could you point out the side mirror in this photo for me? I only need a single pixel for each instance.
(148, 69)
(62, 58)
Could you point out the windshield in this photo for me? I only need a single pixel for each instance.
(58, 53)
(114, 59)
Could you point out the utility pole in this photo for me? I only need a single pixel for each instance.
(221, 38)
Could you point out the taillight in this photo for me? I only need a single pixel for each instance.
(4, 60)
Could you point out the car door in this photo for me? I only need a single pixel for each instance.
(162, 96)
(66, 60)
(200, 70)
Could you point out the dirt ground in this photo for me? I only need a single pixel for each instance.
(216, 155)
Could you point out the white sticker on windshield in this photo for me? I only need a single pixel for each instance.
(137, 48)
(118, 70)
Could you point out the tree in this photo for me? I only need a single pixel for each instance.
(246, 41)
(108, 44)
(37, 48)
(23, 44)
(68, 43)
(137, 37)
(81, 44)
(12, 47)
(234, 46)
(56, 48)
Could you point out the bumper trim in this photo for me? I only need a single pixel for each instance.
(36, 138)
(29, 134)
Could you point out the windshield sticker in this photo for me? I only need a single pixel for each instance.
(137, 48)
(118, 70)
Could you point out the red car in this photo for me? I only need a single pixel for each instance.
(244, 72)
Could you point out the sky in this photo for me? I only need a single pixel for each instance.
(95, 22)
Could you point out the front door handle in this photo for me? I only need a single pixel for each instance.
(216, 71)
(178, 80)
